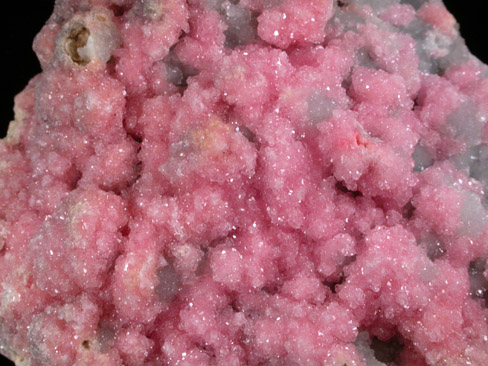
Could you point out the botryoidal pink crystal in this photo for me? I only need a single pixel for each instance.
(253, 182)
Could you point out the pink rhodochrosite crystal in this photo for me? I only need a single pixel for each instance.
(253, 182)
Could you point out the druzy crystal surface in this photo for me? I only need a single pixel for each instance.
(253, 182)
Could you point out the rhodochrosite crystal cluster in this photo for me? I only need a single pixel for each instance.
(253, 182)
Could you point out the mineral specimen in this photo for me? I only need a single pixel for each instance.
(253, 182)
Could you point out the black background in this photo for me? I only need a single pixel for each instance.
(20, 25)
(25, 18)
